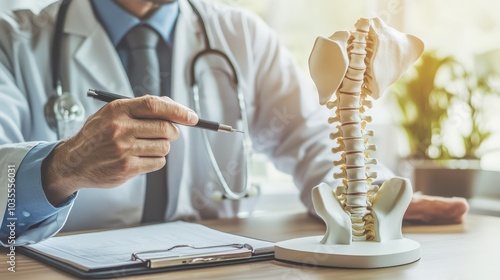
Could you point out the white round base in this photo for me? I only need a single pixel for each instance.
(361, 254)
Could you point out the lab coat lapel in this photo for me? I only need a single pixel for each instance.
(96, 55)
(105, 69)
(187, 42)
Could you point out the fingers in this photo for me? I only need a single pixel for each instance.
(163, 108)
(140, 138)
(123, 139)
(152, 129)
(137, 165)
(149, 117)
(150, 148)
(150, 164)
(436, 210)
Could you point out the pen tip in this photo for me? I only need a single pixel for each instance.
(235, 130)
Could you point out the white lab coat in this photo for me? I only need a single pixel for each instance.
(285, 120)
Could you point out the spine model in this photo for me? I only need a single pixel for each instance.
(350, 69)
(352, 137)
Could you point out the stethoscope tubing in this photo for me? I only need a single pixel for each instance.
(50, 114)
(208, 50)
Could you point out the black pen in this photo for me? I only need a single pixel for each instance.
(210, 125)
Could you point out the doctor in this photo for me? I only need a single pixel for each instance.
(96, 178)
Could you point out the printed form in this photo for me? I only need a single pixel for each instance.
(113, 248)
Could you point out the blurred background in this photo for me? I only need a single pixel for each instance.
(438, 125)
(460, 36)
(449, 117)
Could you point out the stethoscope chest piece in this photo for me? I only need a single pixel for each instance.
(65, 114)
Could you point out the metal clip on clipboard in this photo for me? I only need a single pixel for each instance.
(242, 251)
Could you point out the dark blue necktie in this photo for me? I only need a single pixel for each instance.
(143, 70)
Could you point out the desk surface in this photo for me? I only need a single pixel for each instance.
(466, 251)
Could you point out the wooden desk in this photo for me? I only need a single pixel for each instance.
(467, 251)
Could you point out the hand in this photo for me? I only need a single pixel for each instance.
(123, 139)
(427, 209)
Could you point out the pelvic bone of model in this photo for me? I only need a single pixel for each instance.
(356, 66)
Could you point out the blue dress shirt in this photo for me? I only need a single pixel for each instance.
(121, 22)
(117, 22)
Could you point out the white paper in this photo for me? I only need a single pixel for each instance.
(115, 247)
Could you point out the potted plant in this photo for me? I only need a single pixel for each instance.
(442, 113)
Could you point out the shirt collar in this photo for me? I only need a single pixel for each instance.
(118, 21)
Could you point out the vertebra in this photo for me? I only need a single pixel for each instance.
(356, 66)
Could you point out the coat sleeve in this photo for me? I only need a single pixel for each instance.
(28, 216)
(289, 125)
(16, 131)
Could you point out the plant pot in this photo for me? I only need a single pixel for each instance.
(449, 178)
(456, 179)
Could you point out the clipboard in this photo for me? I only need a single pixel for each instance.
(59, 252)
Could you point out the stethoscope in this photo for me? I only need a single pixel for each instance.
(65, 113)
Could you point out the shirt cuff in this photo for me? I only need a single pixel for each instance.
(32, 203)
